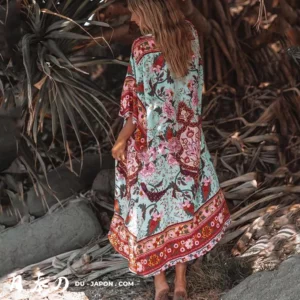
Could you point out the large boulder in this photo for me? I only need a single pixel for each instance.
(65, 183)
(65, 230)
(281, 284)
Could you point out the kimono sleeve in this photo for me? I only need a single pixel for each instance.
(129, 92)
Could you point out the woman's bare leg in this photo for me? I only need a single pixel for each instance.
(180, 281)
(161, 286)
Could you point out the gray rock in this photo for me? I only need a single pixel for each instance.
(66, 183)
(63, 182)
(67, 229)
(104, 184)
(280, 284)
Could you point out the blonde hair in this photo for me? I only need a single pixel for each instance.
(165, 21)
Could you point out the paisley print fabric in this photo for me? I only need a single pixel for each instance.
(169, 207)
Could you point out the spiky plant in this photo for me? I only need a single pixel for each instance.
(48, 72)
(44, 73)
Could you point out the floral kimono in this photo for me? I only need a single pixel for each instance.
(169, 207)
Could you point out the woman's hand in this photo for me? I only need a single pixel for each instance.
(118, 151)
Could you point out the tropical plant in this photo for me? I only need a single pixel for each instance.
(50, 80)
(45, 76)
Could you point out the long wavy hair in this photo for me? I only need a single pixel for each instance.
(165, 21)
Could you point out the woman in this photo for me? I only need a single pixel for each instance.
(169, 208)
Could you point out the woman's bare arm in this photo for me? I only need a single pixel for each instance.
(118, 151)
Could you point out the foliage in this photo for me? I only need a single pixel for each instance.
(44, 74)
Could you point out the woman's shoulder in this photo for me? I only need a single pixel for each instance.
(193, 28)
(142, 46)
